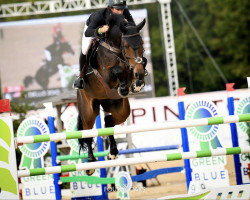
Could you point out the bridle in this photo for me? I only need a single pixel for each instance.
(125, 58)
(115, 51)
(138, 60)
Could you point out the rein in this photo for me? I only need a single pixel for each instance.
(113, 49)
(138, 60)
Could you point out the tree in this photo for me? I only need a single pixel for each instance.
(223, 27)
(20, 109)
(231, 39)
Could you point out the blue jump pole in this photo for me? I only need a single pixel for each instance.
(100, 147)
(148, 149)
(185, 143)
(53, 150)
(235, 141)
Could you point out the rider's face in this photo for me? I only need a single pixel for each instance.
(117, 11)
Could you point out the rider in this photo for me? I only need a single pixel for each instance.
(96, 26)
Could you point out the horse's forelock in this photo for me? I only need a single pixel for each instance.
(134, 41)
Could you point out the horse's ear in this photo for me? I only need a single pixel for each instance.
(140, 26)
(123, 27)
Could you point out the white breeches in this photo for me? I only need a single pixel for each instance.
(47, 55)
(85, 41)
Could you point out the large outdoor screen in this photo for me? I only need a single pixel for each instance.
(41, 56)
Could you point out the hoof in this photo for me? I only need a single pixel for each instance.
(123, 92)
(112, 157)
(90, 172)
(78, 84)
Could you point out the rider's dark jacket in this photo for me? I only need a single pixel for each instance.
(98, 19)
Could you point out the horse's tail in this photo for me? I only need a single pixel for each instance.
(82, 141)
(27, 81)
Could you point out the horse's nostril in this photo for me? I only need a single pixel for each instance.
(136, 75)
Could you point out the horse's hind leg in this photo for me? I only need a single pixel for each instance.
(113, 148)
(86, 144)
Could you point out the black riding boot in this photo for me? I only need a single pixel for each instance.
(79, 84)
(144, 63)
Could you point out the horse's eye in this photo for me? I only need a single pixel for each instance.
(126, 46)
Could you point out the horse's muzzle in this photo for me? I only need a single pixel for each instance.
(137, 86)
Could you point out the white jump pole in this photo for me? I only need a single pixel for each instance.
(132, 161)
(132, 129)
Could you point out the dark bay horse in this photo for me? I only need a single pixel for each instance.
(117, 70)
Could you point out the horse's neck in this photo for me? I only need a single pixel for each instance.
(114, 44)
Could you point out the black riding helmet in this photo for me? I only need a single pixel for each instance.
(118, 4)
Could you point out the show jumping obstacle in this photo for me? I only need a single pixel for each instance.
(132, 161)
(132, 129)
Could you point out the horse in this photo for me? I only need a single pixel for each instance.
(117, 65)
(49, 68)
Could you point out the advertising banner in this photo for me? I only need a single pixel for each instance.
(35, 187)
(210, 170)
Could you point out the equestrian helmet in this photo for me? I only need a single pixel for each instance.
(118, 4)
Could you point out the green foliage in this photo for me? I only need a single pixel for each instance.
(157, 50)
(20, 109)
(231, 39)
(223, 27)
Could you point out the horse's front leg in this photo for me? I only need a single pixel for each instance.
(118, 73)
(113, 148)
(86, 144)
(91, 157)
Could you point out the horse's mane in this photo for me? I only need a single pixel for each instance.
(115, 19)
